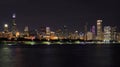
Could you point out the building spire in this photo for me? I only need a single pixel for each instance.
(14, 15)
(14, 27)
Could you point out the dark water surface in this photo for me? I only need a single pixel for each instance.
(60, 56)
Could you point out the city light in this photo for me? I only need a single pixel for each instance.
(96, 34)
(14, 15)
(6, 25)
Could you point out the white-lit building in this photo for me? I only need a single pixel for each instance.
(26, 31)
(14, 25)
(81, 36)
(89, 36)
(48, 31)
(99, 30)
(6, 28)
(107, 33)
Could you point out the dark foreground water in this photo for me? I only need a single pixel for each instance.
(60, 56)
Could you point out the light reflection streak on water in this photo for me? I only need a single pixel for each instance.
(103, 53)
(10, 57)
(47, 55)
(51, 59)
(96, 55)
(18, 59)
(5, 57)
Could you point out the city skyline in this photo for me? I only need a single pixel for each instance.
(59, 33)
(98, 31)
(56, 14)
(74, 28)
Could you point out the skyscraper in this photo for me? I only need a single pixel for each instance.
(107, 33)
(48, 31)
(89, 36)
(13, 22)
(65, 31)
(93, 31)
(99, 30)
(85, 31)
(113, 33)
(6, 28)
(26, 31)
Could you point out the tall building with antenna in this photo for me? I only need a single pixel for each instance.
(14, 25)
(99, 29)
(6, 28)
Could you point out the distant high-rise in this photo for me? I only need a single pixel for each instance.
(13, 22)
(99, 29)
(93, 31)
(85, 31)
(5, 28)
(26, 31)
(89, 36)
(113, 33)
(47, 30)
(107, 33)
(65, 31)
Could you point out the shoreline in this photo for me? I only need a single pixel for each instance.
(56, 42)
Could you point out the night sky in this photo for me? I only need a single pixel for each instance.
(57, 13)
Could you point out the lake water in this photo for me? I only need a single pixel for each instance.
(60, 56)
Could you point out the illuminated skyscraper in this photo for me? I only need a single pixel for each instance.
(99, 30)
(59, 33)
(89, 36)
(81, 35)
(14, 28)
(93, 31)
(107, 33)
(26, 31)
(65, 31)
(47, 30)
(42, 30)
(5, 28)
(113, 33)
(76, 33)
